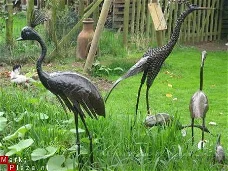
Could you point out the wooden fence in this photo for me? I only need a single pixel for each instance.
(199, 26)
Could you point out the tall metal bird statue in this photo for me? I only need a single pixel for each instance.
(151, 62)
(219, 152)
(199, 103)
(72, 89)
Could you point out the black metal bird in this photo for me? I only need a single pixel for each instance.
(219, 151)
(72, 89)
(151, 62)
(199, 103)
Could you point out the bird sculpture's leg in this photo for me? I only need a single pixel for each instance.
(147, 100)
(192, 131)
(203, 133)
(140, 87)
(90, 137)
(77, 137)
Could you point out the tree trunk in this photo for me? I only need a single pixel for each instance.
(30, 8)
(9, 23)
(98, 31)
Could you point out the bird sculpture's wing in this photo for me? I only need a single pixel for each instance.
(77, 89)
(198, 105)
(140, 66)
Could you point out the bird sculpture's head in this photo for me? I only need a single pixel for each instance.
(203, 57)
(191, 6)
(28, 33)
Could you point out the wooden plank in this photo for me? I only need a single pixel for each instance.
(148, 22)
(212, 21)
(138, 16)
(126, 22)
(143, 16)
(170, 20)
(220, 19)
(203, 19)
(194, 24)
(157, 16)
(199, 13)
(133, 17)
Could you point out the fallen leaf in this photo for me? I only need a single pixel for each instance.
(170, 85)
(169, 95)
(213, 123)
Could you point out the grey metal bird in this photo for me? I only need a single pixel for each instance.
(199, 102)
(164, 119)
(72, 89)
(219, 151)
(151, 62)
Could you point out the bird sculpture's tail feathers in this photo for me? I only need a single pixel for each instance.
(37, 17)
(140, 66)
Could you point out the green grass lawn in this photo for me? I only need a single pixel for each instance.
(116, 146)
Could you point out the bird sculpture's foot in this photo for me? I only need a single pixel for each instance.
(148, 112)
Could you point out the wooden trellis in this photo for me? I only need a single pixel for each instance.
(202, 25)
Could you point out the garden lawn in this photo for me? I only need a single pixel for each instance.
(118, 146)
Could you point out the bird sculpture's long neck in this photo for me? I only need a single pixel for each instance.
(42, 56)
(201, 76)
(176, 32)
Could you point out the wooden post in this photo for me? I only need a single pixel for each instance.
(30, 8)
(97, 34)
(9, 23)
(126, 22)
(158, 32)
(81, 8)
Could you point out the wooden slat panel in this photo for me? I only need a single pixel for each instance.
(157, 16)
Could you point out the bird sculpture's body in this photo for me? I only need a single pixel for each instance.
(73, 90)
(151, 62)
(199, 103)
(219, 151)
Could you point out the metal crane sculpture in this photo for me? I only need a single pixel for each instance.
(72, 89)
(219, 151)
(151, 62)
(199, 103)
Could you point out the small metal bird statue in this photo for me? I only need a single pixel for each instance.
(219, 152)
(199, 103)
(72, 89)
(164, 119)
(151, 62)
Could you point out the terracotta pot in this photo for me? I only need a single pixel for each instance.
(84, 39)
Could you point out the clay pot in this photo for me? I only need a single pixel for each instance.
(84, 39)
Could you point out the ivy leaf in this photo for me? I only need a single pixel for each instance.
(41, 153)
(20, 117)
(43, 116)
(79, 130)
(19, 147)
(20, 133)
(1, 113)
(3, 123)
(55, 162)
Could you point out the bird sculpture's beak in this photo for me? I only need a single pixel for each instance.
(19, 39)
(205, 8)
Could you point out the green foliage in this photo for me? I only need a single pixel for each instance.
(111, 44)
(99, 70)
